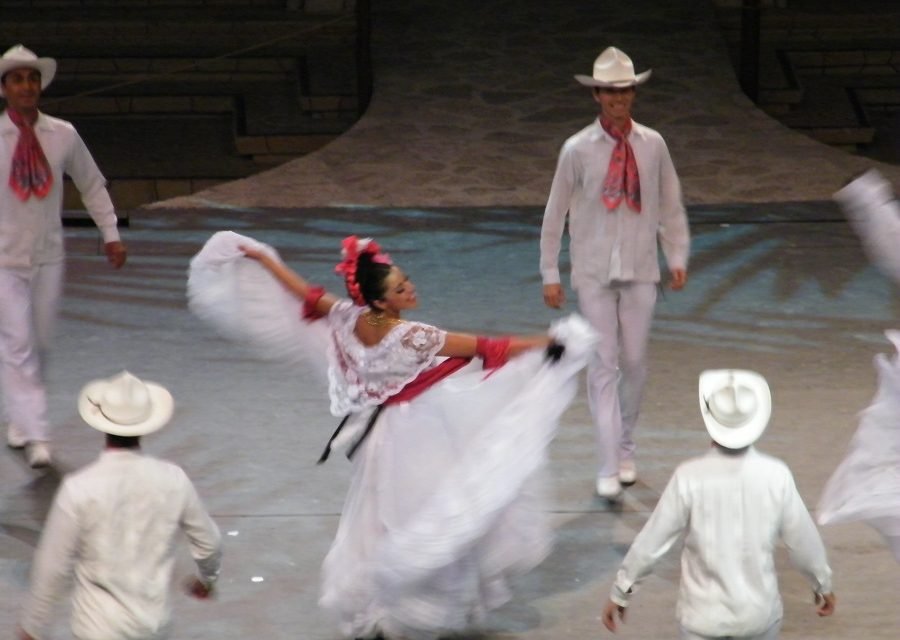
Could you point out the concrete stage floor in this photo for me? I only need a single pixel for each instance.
(783, 289)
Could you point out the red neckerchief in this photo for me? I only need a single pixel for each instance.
(30, 172)
(622, 179)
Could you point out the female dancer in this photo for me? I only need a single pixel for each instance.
(442, 507)
(866, 485)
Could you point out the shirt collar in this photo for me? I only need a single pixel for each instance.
(717, 452)
(637, 131)
(117, 453)
(7, 126)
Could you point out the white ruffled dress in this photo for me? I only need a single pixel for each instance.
(866, 485)
(445, 502)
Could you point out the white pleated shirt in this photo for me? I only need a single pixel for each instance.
(732, 511)
(31, 231)
(115, 525)
(620, 245)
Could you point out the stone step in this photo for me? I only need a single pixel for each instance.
(131, 193)
(122, 4)
(68, 106)
(312, 7)
(258, 114)
(151, 32)
(319, 70)
(75, 67)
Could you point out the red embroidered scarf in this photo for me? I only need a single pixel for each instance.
(622, 179)
(30, 172)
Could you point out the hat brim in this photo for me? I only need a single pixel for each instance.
(46, 67)
(590, 81)
(161, 401)
(746, 434)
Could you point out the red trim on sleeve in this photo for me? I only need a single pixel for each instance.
(310, 312)
(494, 351)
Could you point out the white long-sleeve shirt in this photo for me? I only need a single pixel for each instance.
(619, 245)
(733, 509)
(115, 523)
(31, 231)
(874, 213)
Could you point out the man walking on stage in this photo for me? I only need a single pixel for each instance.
(616, 184)
(35, 151)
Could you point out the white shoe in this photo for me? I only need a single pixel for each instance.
(609, 487)
(627, 472)
(15, 439)
(38, 454)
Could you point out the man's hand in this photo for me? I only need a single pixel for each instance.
(610, 612)
(825, 603)
(554, 297)
(679, 279)
(116, 254)
(196, 588)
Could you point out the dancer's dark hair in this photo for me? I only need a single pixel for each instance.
(372, 279)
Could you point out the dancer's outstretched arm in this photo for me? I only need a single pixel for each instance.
(292, 280)
(466, 346)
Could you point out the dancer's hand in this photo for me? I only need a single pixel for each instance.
(253, 253)
(554, 296)
(116, 254)
(679, 279)
(825, 603)
(610, 612)
(196, 588)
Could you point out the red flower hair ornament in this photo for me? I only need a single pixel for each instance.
(351, 249)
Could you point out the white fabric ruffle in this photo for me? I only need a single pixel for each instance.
(874, 213)
(363, 376)
(241, 300)
(866, 485)
(445, 503)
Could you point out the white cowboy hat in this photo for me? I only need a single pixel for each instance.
(124, 405)
(19, 57)
(736, 405)
(613, 68)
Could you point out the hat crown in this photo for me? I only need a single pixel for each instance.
(733, 405)
(20, 53)
(126, 400)
(125, 405)
(613, 65)
(613, 69)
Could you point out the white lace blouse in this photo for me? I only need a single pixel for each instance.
(361, 376)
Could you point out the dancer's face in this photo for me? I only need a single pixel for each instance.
(399, 292)
(23, 89)
(615, 104)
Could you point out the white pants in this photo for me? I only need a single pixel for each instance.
(771, 633)
(622, 314)
(29, 299)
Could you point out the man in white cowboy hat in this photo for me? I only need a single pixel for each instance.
(616, 183)
(114, 525)
(35, 151)
(731, 505)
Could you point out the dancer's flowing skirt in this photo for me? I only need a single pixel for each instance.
(866, 485)
(445, 503)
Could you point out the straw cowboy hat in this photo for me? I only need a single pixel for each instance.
(125, 405)
(736, 405)
(614, 69)
(19, 57)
